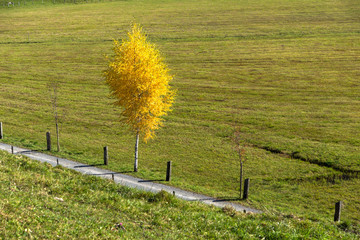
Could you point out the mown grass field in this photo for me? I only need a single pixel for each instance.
(286, 73)
(41, 202)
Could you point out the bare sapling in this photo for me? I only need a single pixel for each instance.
(54, 101)
(241, 153)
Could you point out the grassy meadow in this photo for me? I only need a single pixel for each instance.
(38, 201)
(285, 73)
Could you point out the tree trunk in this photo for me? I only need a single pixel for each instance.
(136, 152)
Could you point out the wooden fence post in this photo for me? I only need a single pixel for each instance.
(105, 155)
(1, 131)
(337, 211)
(12, 149)
(168, 171)
(48, 141)
(246, 189)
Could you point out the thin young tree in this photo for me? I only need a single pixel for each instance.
(54, 101)
(241, 152)
(139, 81)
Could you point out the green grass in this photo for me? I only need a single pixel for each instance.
(38, 201)
(285, 72)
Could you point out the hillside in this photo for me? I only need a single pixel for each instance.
(285, 73)
(38, 201)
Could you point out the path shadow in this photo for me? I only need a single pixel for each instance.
(124, 172)
(223, 199)
(155, 180)
(92, 165)
(206, 199)
(110, 173)
(25, 152)
(226, 199)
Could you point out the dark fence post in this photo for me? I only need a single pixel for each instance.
(168, 171)
(337, 211)
(1, 131)
(48, 141)
(105, 155)
(12, 149)
(246, 189)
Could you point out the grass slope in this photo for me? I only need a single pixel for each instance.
(285, 72)
(38, 201)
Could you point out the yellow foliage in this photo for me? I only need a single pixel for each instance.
(139, 80)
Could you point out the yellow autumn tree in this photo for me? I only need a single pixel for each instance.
(139, 81)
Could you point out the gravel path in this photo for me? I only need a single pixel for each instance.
(123, 179)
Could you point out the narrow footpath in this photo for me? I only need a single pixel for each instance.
(123, 179)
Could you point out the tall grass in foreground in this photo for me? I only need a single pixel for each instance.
(43, 202)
